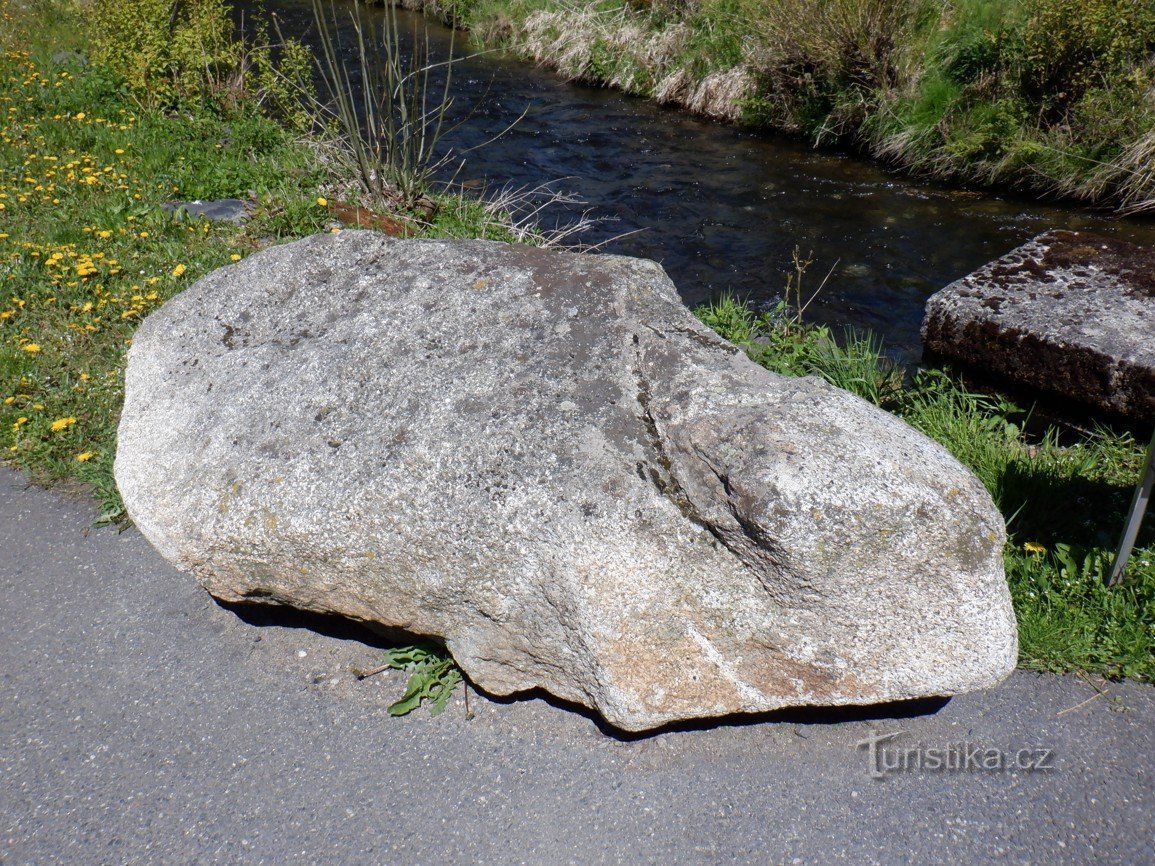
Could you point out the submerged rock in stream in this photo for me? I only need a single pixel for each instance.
(546, 461)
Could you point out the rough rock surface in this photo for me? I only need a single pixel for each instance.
(1069, 313)
(544, 459)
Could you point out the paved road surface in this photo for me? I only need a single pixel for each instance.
(142, 723)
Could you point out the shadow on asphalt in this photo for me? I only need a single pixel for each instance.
(265, 615)
(338, 627)
(791, 715)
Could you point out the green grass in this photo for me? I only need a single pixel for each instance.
(1064, 497)
(86, 250)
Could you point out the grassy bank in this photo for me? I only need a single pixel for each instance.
(86, 248)
(1064, 497)
(1051, 97)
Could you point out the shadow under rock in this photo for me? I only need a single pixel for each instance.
(788, 715)
(263, 615)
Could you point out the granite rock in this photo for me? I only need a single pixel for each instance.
(1069, 314)
(544, 460)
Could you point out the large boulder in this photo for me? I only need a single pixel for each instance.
(1070, 314)
(544, 460)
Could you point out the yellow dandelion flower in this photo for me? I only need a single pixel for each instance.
(62, 424)
(84, 457)
(322, 201)
(235, 257)
(178, 270)
(80, 116)
(8, 401)
(31, 348)
(1034, 547)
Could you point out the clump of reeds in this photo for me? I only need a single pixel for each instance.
(390, 109)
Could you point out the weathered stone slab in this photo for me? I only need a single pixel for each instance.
(1069, 313)
(543, 459)
(222, 210)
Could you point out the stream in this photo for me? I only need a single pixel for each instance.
(722, 209)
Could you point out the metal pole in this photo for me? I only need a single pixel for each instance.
(1134, 516)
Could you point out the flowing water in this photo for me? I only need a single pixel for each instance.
(723, 209)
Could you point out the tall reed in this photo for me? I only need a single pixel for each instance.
(390, 110)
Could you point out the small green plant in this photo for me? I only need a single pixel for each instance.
(433, 675)
(778, 340)
(793, 305)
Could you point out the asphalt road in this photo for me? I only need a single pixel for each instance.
(142, 723)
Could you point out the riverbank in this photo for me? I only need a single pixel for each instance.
(1055, 98)
(87, 250)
